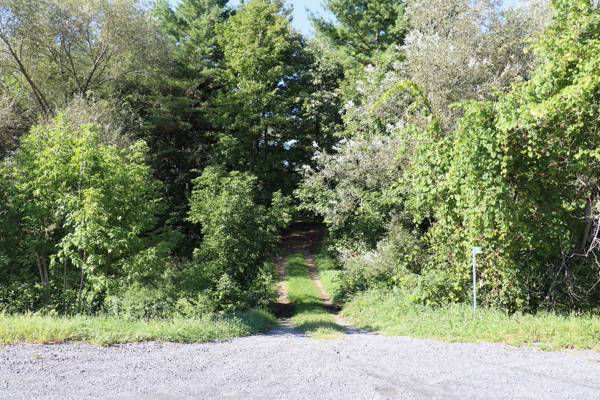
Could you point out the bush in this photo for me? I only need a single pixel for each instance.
(20, 297)
(239, 237)
(397, 261)
(84, 215)
(146, 303)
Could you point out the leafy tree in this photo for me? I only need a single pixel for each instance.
(262, 56)
(354, 190)
(239, 234)
(54, 51)
(14, 122)
(269, 110)
(88, 205)
(9, 227)
(365, 34)
(322, 95)
(459, 50)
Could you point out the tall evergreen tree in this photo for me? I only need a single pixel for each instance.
(260, 108)
(364, 29)
(177, 126)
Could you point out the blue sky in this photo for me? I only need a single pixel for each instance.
(300, 21)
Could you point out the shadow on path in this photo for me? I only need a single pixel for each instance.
(302, 237)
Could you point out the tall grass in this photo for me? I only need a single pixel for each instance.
(389, 312)
(311, 315)
(109, 330)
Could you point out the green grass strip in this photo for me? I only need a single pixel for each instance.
(331, 284)
(311, 316)
(110, 330)
(389, 312)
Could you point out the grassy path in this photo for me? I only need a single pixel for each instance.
(311, 316)
(313, 311)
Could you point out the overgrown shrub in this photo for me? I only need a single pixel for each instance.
(397, 261)
(85, 214)
(239, 236)
(519, 177)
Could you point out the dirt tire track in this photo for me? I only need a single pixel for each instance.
(303, 238)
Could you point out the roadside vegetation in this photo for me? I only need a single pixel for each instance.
(397, 312)
(107, 330)
(147, 170)
(389, 312)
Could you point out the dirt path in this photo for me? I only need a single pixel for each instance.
(302, 238)
(299, 238)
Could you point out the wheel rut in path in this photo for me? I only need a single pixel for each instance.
(303, 238)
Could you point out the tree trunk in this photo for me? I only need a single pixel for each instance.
(80, 291)
(39, 96)
(588, 226)
(80, 295)
(65, 277)
(43, 269)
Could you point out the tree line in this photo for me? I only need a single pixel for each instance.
(151, 155)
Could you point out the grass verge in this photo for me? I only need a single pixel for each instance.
(311, 316)
(328, 270)
(330, 282)
(110, 330)
(389, 312)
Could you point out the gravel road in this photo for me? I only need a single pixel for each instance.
(287, 365)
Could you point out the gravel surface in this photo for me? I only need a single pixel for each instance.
(287, 365)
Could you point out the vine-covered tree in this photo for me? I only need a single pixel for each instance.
(519, 177)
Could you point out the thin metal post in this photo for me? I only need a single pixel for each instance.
(474, 283)
(476, 250)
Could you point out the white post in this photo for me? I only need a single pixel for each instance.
(476, 250)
